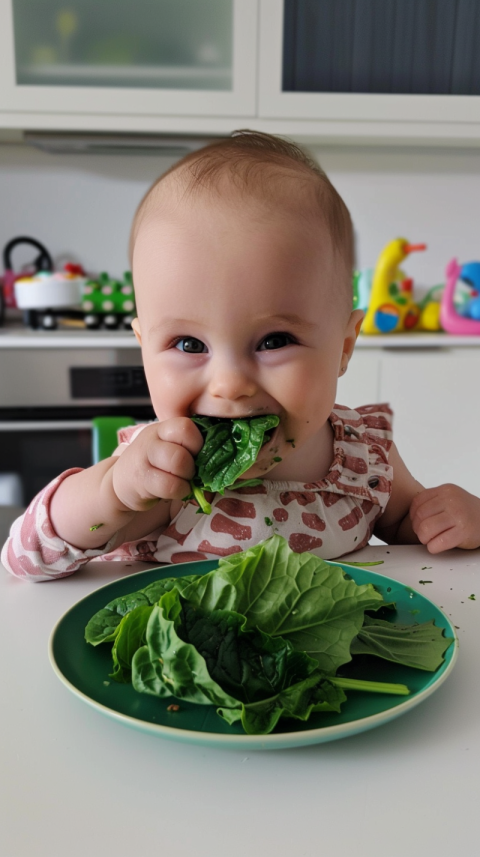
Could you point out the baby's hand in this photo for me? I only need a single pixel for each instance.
(446, 517)
(158, 464)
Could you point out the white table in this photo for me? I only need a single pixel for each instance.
(76, 783)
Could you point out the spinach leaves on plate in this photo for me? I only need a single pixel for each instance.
(230, 447)
(260, 637)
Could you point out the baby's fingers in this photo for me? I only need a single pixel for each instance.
(160, 483)
(172, 459)
(428, 502)
(431, 527)
(181, 431)
(445, 541)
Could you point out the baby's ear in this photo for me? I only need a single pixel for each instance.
(358, 326)
(136, 330)
(358, 315)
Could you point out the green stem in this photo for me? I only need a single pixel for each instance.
(365, 564)
(200, 498)
(369, 686)
(245, 483)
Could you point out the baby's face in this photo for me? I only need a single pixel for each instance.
(236, 319)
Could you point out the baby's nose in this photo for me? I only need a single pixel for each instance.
(231, 382)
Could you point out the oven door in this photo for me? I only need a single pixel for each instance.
(48, 397)
(36, 444)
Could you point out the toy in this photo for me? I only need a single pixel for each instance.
(109, 302)
(430, 309)
(392, 308)
(45, 289)
(362, 286)
(43, 262)
(73, 299)
(470, 274)
(451, 320)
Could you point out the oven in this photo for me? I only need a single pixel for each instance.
(48, 397)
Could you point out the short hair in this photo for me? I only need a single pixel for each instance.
(257, 164)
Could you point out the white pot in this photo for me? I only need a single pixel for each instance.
(49, 292)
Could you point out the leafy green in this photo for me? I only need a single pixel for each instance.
(248, 664)
(211, 658)
(169, 666)
(296, 596)
(230, 447)
(130, 636)
(103, 627)
(298, 701)
(261, 637)
(419, 646)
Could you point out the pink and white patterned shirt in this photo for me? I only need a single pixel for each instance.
(329, 518)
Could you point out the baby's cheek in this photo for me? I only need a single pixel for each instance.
(170, 394)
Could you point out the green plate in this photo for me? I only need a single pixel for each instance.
(84, 670)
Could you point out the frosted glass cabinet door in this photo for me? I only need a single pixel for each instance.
(177, 57)
(370, 60)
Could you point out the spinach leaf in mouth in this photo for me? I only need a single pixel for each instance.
(230, 447)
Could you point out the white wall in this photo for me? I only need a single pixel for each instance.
(81, 206)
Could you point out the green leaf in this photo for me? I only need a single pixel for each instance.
(213, 659)
(296, 596)
(130, 636)
(230, 448)
(298, 701)
(168, 666)
(103, 627)
(247, 664)
(147, 674)
(419, 646)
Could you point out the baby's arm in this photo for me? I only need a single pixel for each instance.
(120, 493)
(441, 518)
(119, 498)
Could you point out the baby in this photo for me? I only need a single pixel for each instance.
(242, 257)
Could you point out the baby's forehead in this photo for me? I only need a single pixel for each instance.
(175, 202)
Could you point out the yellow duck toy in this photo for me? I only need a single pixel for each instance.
(391, 307)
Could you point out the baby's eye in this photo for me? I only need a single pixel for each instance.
(191, 345)
(276, 340)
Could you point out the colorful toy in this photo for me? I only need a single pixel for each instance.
(44, 289)
(108, 302)
(468, 323)
(77, 301)
(43, 262)
(470, 274)
(362, 287)
(392, 308)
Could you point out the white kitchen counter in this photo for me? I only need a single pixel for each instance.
(76, 783)
(19, 336)
(16, 335)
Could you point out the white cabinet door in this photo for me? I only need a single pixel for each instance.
(395, 108)
(436, 402)
(170, 57)
(360, 384)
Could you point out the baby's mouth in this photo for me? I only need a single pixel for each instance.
(270, 437)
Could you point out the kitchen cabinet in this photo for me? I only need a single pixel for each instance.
(379, 71)
(433, 391)
(437, 410)
(89, 59)
(370, 61)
